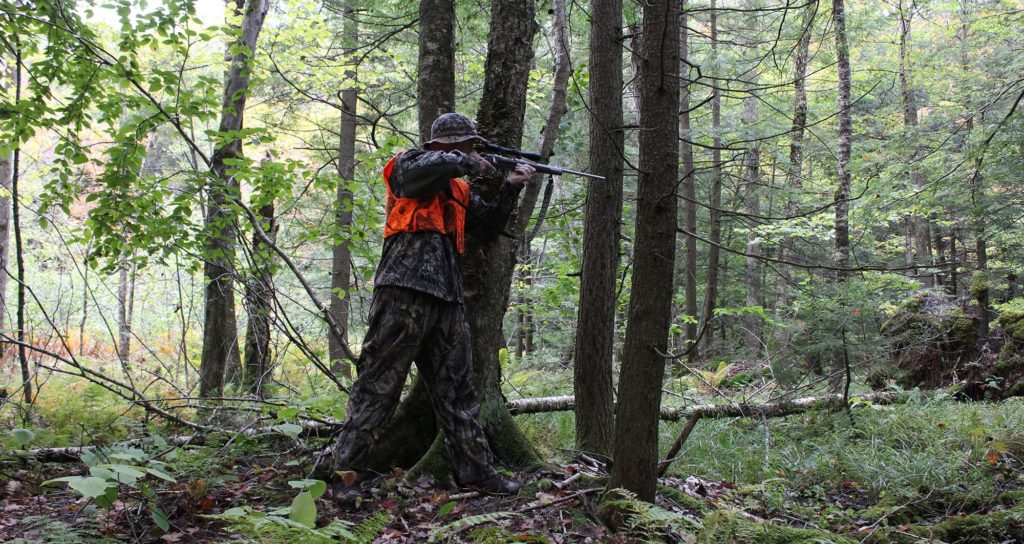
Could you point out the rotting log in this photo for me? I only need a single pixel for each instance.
(567, 403)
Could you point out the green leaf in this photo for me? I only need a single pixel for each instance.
(90, 486)
(161, 474)
(159, 517)
(290, 430)
(303, 510)
(446, 508)
(314, 487)
(23, 436)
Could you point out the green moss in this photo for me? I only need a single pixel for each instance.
(979, 288)
(682, 499)
(992, 527)
(729, 526)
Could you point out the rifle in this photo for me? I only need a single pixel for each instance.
(527, 158)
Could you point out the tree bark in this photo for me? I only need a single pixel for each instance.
(643, 367)
(752, 200)
(689, 196)
(435, 90)
(259, 302)
(796, 147)
(126, 303)
(918, 224)
(341, 254)
(220, 335)
(715, 234)
(595, 329)
(7, 75)
(19, 250)
(488, 265)
(842, 226)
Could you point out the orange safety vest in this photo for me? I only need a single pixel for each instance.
(437, 213)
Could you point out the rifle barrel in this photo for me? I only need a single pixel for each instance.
(498, 160)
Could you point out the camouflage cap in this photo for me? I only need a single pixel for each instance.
(453, 128)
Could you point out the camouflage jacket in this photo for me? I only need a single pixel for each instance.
(428, 261)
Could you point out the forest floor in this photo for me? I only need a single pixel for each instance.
(934, 471)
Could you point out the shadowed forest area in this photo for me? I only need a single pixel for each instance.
(791, 311)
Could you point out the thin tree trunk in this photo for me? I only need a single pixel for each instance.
(7, 77)
(595, 328)
(796, 146)
(259, 296)
(715, 234)
(689, 197)
(19, 250)
(126, 294)
(341, 254)
(436, 56)
(842, 226)
(918, 224)
(220, 335)
(650, 305)
(752, 201)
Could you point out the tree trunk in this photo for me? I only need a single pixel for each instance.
(488, 266)
(19, 250)
(796, 146)
(7, 77)
(842, 227)
(126, 296)
(341, 254)
(650, 305)
(715, 236)
(220, 336)
(918, 227)
(689, 196)
(595, 329)
(752, 200)
(259, 297)
(436, 91)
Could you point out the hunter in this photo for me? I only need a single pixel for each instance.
(417, 312)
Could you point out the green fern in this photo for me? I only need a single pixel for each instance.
(370, 528)
(646, 522)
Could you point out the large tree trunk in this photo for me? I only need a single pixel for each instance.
(435, 90)
(487, 265)
(259, 303)
(796, 146)
(715, 234)
(595, 330)
(842, 227)
(650, 304)
(689, 196)
(341, 254)
(220, 335)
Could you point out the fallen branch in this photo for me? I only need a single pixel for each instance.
(74, 453)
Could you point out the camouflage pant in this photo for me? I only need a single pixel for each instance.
(406, 326)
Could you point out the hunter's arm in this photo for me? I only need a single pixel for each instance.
(421, 173)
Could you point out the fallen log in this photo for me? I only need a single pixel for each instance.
(536, 405)
(566, 403)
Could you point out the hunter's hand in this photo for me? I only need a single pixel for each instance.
(521, 174)
(486, 168)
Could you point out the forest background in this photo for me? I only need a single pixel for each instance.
(802, 199)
